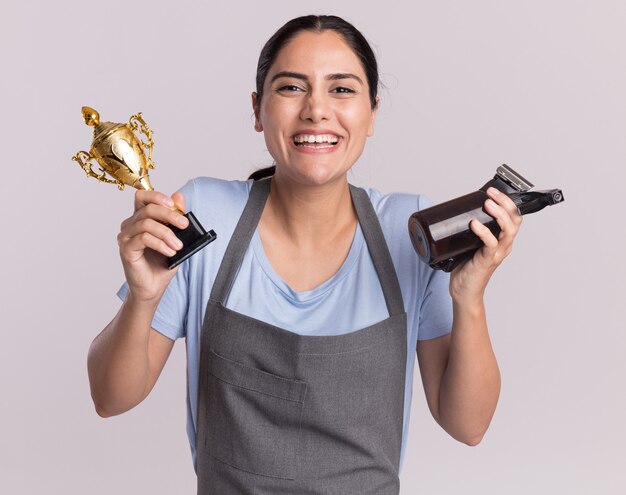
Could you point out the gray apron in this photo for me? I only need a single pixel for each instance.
(282, 413)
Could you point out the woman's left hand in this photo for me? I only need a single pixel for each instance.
(468, 281)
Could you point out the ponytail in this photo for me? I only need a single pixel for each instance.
(262, 173)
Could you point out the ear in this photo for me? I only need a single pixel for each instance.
(370, 131)
(257, 114)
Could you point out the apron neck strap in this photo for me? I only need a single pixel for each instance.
(378, 249)
(240, 240)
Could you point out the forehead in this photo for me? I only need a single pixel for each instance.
(313, 53)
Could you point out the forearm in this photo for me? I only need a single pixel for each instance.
(118, 361)
(471, 383)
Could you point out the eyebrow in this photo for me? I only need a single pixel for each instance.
(330, 77)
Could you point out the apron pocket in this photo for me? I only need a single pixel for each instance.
(253, 418)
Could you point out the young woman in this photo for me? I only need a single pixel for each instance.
(303, 319)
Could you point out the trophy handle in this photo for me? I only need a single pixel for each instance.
(83, 159)
(138, 124)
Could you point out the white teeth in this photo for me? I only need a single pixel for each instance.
(319, 138)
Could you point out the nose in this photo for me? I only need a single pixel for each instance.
(316, 107)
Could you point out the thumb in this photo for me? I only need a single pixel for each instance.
(179, 199)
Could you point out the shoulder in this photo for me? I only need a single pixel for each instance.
(394, 209)
(218, 205)
(209, 189)
(216, 200)
(384, 202)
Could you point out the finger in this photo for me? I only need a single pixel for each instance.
(507, 203)
(161, 214)
(484, 234)
(179, 200)
(502, 217)
(151, 203)
(134, 247)
(506, 214)
(143, 198)
(155, 229)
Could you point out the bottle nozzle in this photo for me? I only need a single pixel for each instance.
(532, 201)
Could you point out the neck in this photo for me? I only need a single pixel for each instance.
(310, 214)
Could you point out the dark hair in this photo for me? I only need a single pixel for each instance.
(318, 24)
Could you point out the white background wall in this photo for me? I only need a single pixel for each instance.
(540, 85)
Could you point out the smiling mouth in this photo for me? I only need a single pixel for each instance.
(315, 141)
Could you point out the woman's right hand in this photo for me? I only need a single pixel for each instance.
(145, 240)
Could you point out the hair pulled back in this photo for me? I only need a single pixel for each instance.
(317, 24)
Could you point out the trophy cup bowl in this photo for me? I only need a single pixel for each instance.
(123, 162)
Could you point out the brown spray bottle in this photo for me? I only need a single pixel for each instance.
(441, 234)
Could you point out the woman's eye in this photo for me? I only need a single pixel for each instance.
(289, 88)
(343, 90)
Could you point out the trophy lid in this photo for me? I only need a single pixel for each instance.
(91, 116)
(101, 129)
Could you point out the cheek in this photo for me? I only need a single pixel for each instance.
(274, 117)
(268, 121)
(360, 122)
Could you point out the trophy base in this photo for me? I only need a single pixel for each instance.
(194, 238)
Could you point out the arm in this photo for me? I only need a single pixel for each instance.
(127, 357)
(461, 377)
(459, 371)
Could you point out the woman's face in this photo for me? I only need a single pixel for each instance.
(315, 112)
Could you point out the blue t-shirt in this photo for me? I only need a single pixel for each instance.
(350, 300)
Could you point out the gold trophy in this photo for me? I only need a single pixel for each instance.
(120, 154)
